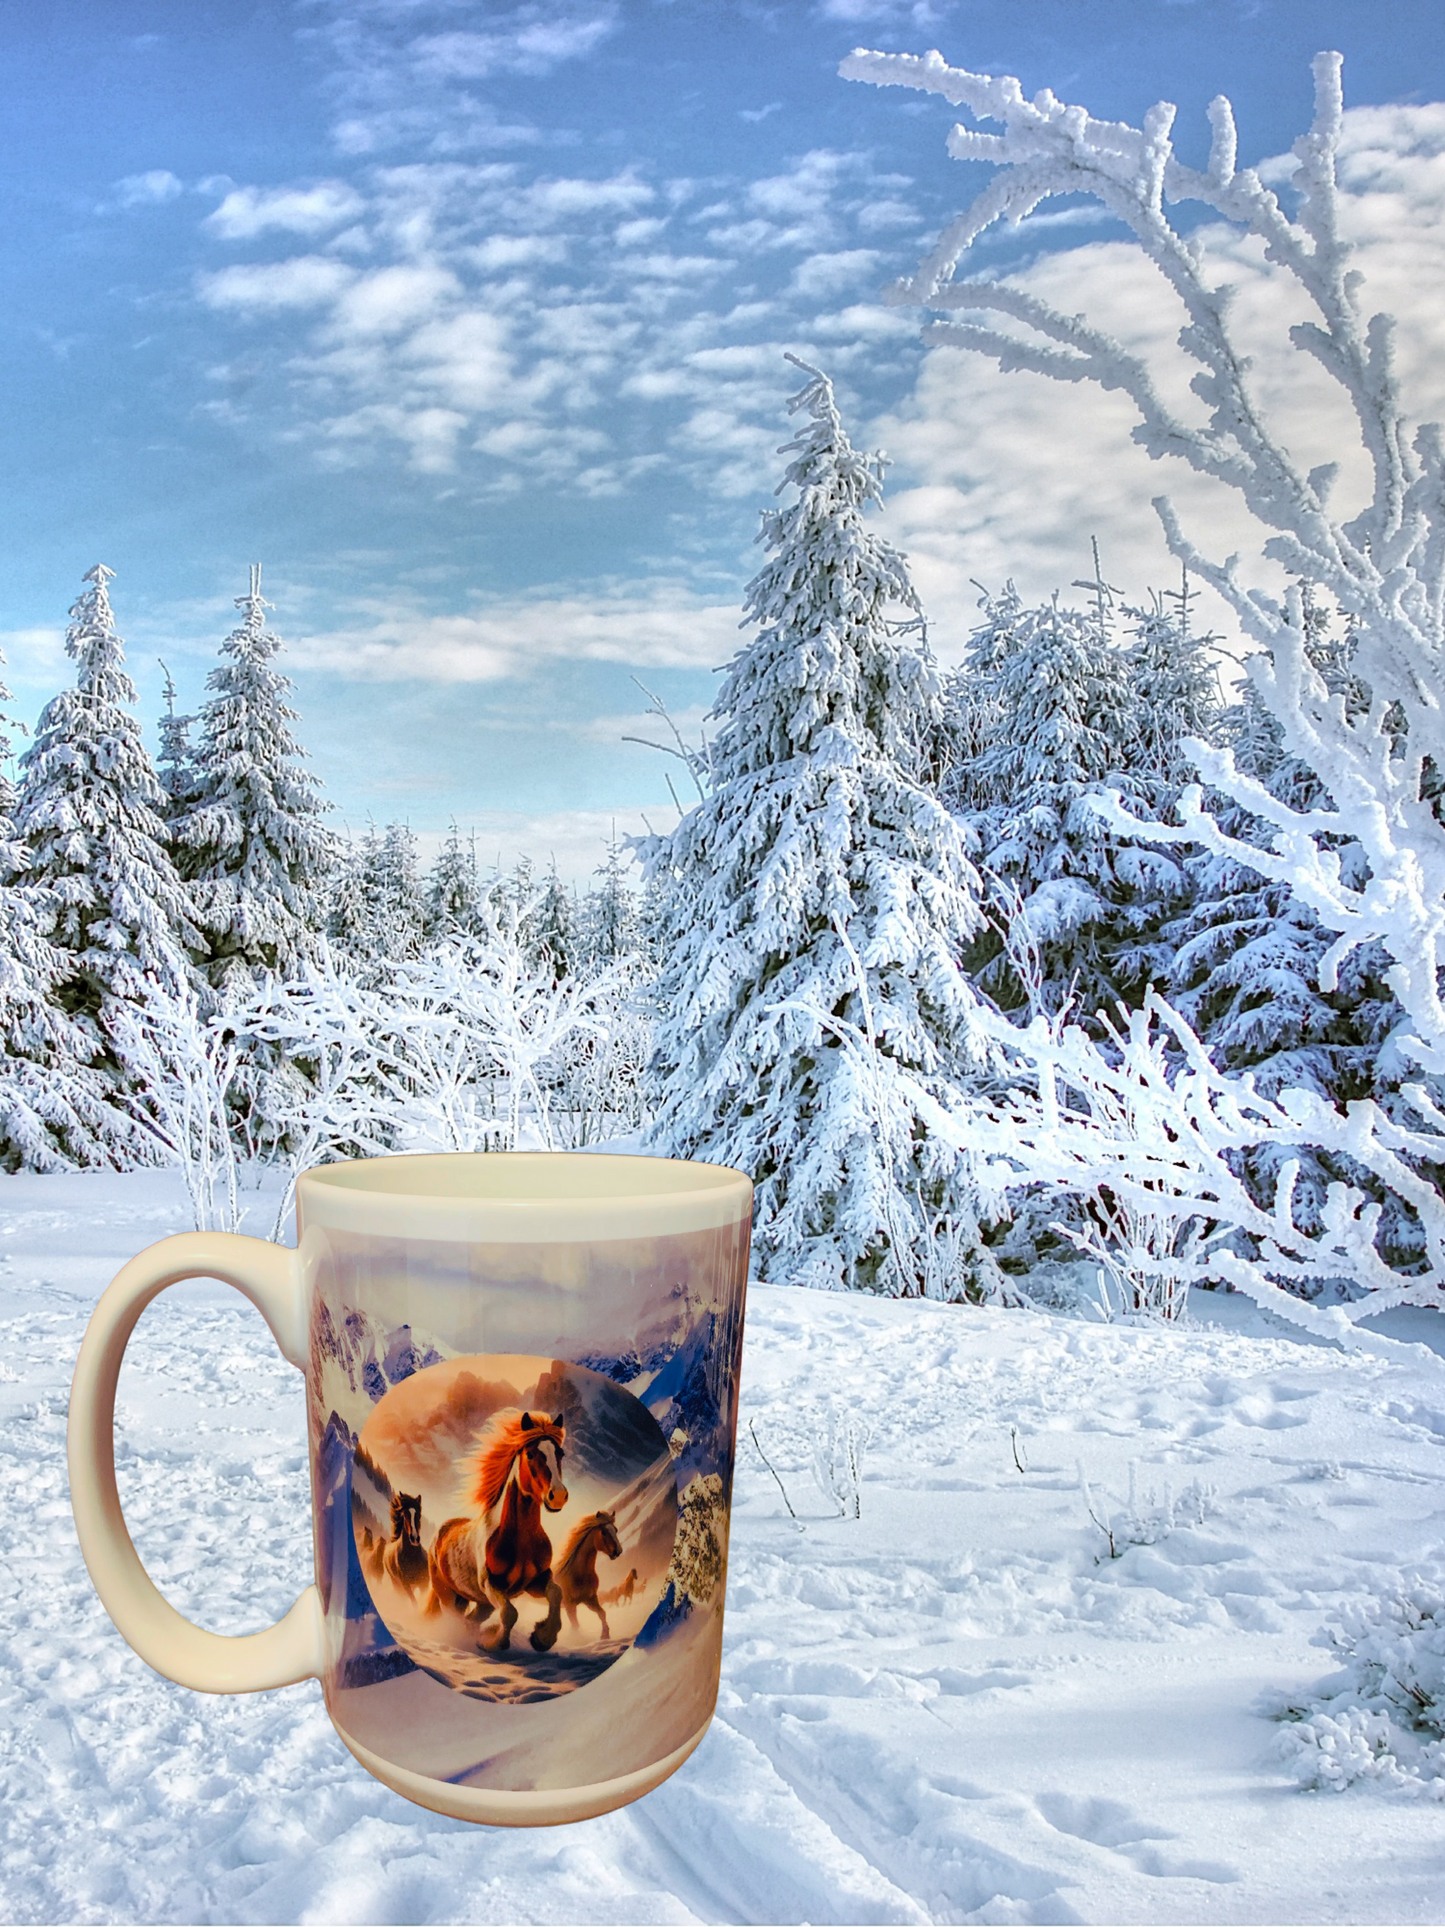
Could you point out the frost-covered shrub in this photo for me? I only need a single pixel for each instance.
(1146, 1131)
(1151, 1513)
(187, 1068)
(838, 1450)
(1383, 1717)
(473, 1046)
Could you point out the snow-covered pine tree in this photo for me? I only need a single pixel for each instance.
(815, 902)
(346, 907)
(1047, 711)
(53, 1110)
(251, 843)
(90, 814)
(610, 932)
(401, 906)
(552, 928)
(176, 764)
(454, 895)
(378, 912)
(1174, 674)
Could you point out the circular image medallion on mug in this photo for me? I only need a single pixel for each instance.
(514, 1518)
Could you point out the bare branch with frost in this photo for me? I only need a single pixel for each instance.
(1142, 1127)
(1385, 566)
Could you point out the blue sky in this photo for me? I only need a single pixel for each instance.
(467, 321)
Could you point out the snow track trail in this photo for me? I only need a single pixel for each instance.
(955, 1708)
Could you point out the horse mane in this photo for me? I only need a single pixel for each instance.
(484, 1472)
(574, 1538)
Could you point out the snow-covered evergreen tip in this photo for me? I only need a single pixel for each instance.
(815, 901)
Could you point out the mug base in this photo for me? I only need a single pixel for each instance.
(545, 1807)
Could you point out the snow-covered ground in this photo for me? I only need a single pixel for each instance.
(957, 1707)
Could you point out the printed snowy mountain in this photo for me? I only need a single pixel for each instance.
(687, 1393)
(602, 1429)
(332, 1473)
(369, 1652)
(669, 1613)
(372, 1356)
(679, 1367)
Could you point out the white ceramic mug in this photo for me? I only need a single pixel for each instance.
(521, 1382)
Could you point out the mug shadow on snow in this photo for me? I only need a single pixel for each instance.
(514, 1518)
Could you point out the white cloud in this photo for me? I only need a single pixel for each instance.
(922, 14)
(596, 330)
(467, 126)
(34, 654)
(805, 189)
(401, 81)
(615, 478)
(739, 359)
(540, 445)
(671, 267)
(823, 275)
(150, 189)
(752, 237)
(429, 434)
(465, 360)
(864, 321)
(532, 43)
(647, 627)
(632, 234)
(887, 214)
(1010, 475)
(501, 251)
(565, 197)
(391, 300)
(691, 722)
(309, 211)
(305, 281)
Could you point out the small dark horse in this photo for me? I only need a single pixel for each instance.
(403, 1558)
(577, 1568)
(515, 1474)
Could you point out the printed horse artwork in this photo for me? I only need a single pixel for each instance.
(577, 1568)
(490, 1557)
(620, 1595)
(403, 1558)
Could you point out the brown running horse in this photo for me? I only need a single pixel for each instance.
(403, 1558)
(620, 1595)
(577, 1568)
(515, 1474)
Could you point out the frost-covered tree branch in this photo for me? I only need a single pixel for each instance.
(186, 1067)
(1143, 1127)
(1384, 566)
(473, 1046)
(1146, 1131)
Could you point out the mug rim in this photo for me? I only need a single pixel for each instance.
(685, 1194)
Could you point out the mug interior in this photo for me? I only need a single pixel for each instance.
(546, 1176)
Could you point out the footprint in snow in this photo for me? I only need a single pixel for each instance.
(1111, 1825)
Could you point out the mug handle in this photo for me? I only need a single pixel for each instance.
(292, 1649)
